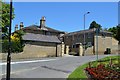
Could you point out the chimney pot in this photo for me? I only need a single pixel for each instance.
(43, 18)
(16, 27)
(21, 25)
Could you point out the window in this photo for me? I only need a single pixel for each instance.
(89, 35)
(75, 46)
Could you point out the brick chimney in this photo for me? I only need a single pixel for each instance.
(21, 25)
(16, 27)
(42, 22)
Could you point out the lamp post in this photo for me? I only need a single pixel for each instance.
(9, 46)
(84, 32)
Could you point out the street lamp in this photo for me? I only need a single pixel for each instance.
(84, 32)
(9, 46)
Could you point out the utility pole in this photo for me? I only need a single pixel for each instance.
(9, 46)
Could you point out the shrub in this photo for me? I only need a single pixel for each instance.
(17, 43)
(16, 46)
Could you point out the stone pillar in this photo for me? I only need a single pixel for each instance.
(67, 49)
(59, 50)
(62, 49)
(80, 50)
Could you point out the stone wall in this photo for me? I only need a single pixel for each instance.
(106, 42)
(41, 51)
(103, 43)
(36, 50)
(89, 51)
(114, 46)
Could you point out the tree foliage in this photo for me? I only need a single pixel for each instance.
(16, 37)
(17, 43)
(95, 25)
(5, 16)
(116, 32)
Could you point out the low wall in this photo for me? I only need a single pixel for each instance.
(89, 51)
(15, 56)
(35, 51)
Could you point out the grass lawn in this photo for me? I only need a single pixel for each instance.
(79, 74)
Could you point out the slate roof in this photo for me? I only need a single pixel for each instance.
(36, 27)
(86, 31)
(40, 37)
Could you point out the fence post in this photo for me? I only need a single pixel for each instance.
(110, 62)
(89, 64)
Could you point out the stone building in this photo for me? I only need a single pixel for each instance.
(93, 43)
(41, 41)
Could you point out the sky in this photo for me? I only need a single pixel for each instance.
(66, 16)
(119, 13)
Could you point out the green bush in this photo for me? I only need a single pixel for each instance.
(16, 46)
(4, 46)
(17, 43)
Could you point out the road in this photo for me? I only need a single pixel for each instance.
(59, 67)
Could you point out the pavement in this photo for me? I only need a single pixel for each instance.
(56, 67)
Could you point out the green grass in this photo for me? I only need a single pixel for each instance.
(79, 73)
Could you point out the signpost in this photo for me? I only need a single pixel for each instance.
(97, 32)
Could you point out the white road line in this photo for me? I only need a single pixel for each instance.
(19, 71)
(21, 62)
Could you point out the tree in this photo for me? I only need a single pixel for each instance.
(116, 32)
(17, 43)
(95, 25)
(5, 16)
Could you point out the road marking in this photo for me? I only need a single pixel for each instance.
(21, 62)
(19, 71)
